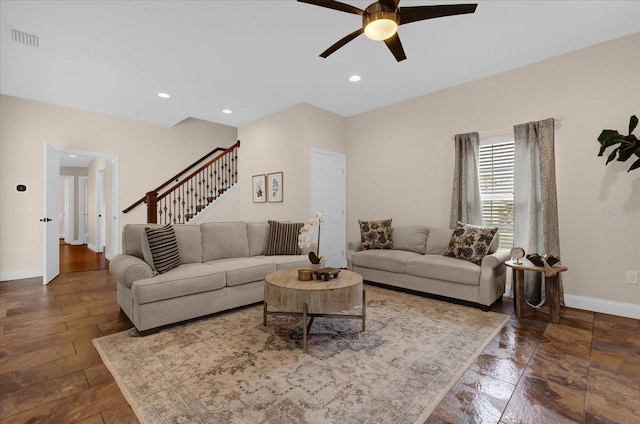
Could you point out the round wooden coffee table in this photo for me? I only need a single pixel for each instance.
(316, 298)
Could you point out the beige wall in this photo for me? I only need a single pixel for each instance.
(400, 158)
(148, 155)
(283, 142)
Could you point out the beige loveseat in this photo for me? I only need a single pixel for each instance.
(416, 263)
(222, 266)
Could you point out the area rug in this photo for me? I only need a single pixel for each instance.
(229, 368)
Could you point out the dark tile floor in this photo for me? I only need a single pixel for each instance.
(586, 369)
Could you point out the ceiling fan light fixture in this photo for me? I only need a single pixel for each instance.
(379, 24)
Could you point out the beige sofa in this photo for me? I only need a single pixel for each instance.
(222, 266)
(416, 263)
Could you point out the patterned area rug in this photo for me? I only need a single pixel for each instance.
(231, 369)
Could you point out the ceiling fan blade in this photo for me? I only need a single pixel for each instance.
(391, 4)
(420, 13)
(395, 46)
(341, 43)
(335, 5)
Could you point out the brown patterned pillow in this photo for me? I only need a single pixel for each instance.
(283, 238)
(375, 234)
(163, 254)
(470, 242)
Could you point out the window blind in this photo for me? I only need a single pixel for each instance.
(495, 169)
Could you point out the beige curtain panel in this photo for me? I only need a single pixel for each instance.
(536, 199)
(466, 204)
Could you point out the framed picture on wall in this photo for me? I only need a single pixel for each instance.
(275, 187)
(259, 186)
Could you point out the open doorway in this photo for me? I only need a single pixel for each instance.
(88, 209)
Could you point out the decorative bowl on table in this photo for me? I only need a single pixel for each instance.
(536, 259)
(305, 274)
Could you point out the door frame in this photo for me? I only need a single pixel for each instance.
(113, 242)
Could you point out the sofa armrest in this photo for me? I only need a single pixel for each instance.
(352, 247)
(493, 277)
(496, 259)
(127, 268)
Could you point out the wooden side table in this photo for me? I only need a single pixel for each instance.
(552, 289)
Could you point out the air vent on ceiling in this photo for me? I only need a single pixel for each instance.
(25, 38)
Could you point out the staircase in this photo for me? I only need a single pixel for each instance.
(181, 199)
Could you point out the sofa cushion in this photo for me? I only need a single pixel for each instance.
(495, 243)
(438, 240)
(444, 268)
(189, 240)
(244, 270)
(283, 238)
(160, 248)
(470, 242)
(412, 238)
(288, 261)
(132, 239)
(385, 260)
(375, 234)
(184, 280)
(221, 240)
(258, 233)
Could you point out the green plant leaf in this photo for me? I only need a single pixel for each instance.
(608, 143)
(612, 156)
(607, 134)
(634, 165)
(633, 123)
(625, 153)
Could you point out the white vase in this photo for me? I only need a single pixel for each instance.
(321, 265)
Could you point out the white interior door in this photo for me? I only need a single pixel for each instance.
(101, 211)
(50, 221)
(83, 224)
(328, 195)
(68, 218)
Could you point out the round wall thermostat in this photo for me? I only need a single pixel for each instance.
(517, 253)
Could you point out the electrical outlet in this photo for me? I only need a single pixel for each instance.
(632, 277)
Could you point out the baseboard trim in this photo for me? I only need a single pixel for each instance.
(92, 247)
(604, 306)
(19, 275)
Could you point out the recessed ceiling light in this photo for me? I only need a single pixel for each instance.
(73, 156)
(164, 95)
(227, 111)
(355, 78)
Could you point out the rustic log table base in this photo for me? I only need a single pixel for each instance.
(552, 290)
(311, 299)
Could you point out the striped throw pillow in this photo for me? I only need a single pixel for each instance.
(163, 248)
(283, 238)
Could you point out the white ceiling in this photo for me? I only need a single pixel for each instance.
(258, 57)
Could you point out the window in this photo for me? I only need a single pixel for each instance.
(496, 188)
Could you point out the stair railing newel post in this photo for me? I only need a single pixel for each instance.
(152, 207)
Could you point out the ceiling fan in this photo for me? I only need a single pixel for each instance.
(380, 20)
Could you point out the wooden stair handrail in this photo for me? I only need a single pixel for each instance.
(169, 181)
(194, 173)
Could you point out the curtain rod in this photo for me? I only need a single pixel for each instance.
(557, 121)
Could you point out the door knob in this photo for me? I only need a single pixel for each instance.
(46, 220)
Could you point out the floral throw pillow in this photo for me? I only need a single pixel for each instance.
(470, 242)
(375, 234)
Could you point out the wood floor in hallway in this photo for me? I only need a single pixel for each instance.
(74, 258)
